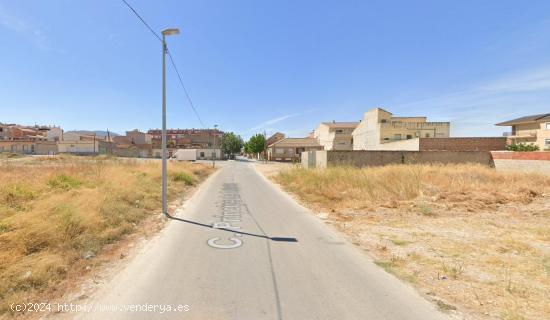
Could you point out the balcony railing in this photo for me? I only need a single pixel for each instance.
(521, 134)
(414, 125)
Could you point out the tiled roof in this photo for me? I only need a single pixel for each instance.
(534, 118)
(296, 142)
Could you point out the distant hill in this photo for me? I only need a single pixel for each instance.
(99, 133)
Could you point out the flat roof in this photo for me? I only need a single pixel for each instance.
(349, 124)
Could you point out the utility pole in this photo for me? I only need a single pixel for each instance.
(214, 155)
(265, 146)
(166, 32)
(109, 148)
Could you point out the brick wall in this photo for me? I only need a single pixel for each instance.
(463, 144)
(521, 155)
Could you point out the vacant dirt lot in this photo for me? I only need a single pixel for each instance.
(466, 236)
(58, 213)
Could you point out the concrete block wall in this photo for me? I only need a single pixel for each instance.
(448, 157)
(380, 158)
(463, 144)
(306, 158)
(399, 145)
(535, 162)
(362, 158)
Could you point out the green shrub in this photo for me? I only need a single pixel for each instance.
(183, 176)
(4, 227)
(522, 147)
(64, 182)
(16, 195)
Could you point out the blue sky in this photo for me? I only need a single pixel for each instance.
(269, 65)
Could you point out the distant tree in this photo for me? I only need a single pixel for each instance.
(231, 143)
(256, 144)
(246, 148)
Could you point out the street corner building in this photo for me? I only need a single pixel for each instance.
(290, 149)
(534, 129)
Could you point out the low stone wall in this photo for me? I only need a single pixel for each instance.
(322, 159)
(537, 162)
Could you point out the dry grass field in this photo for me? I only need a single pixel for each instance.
(57, 212)
(468, 237)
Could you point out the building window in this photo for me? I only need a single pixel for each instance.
(386, 138)
(383, 121)
(339, 131)
(202, 154)
(409, 136)
(397, 136)
(547, 125)
(547, 142)
(427, 135)
(279, 150)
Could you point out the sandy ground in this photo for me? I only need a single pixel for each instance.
(272, 168)
(492, 263)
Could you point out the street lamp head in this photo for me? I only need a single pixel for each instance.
(170, 31)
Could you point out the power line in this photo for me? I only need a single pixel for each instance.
(142, 20)
(184, 89)
(171, 61)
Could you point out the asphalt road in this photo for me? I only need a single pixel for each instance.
(272, 260)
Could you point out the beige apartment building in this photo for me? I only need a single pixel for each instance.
(335, 135)
(78, 144)
(137, 137)
(533, 129)
(380, 130)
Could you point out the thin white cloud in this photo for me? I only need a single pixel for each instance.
(273, 121)
(532, 80)
(26, 29)
(474, 111)
(297, 133)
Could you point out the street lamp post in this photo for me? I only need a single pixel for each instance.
(214, 156)
(166, 32)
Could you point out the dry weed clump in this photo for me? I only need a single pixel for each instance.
(472, 187)
(56, 211)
